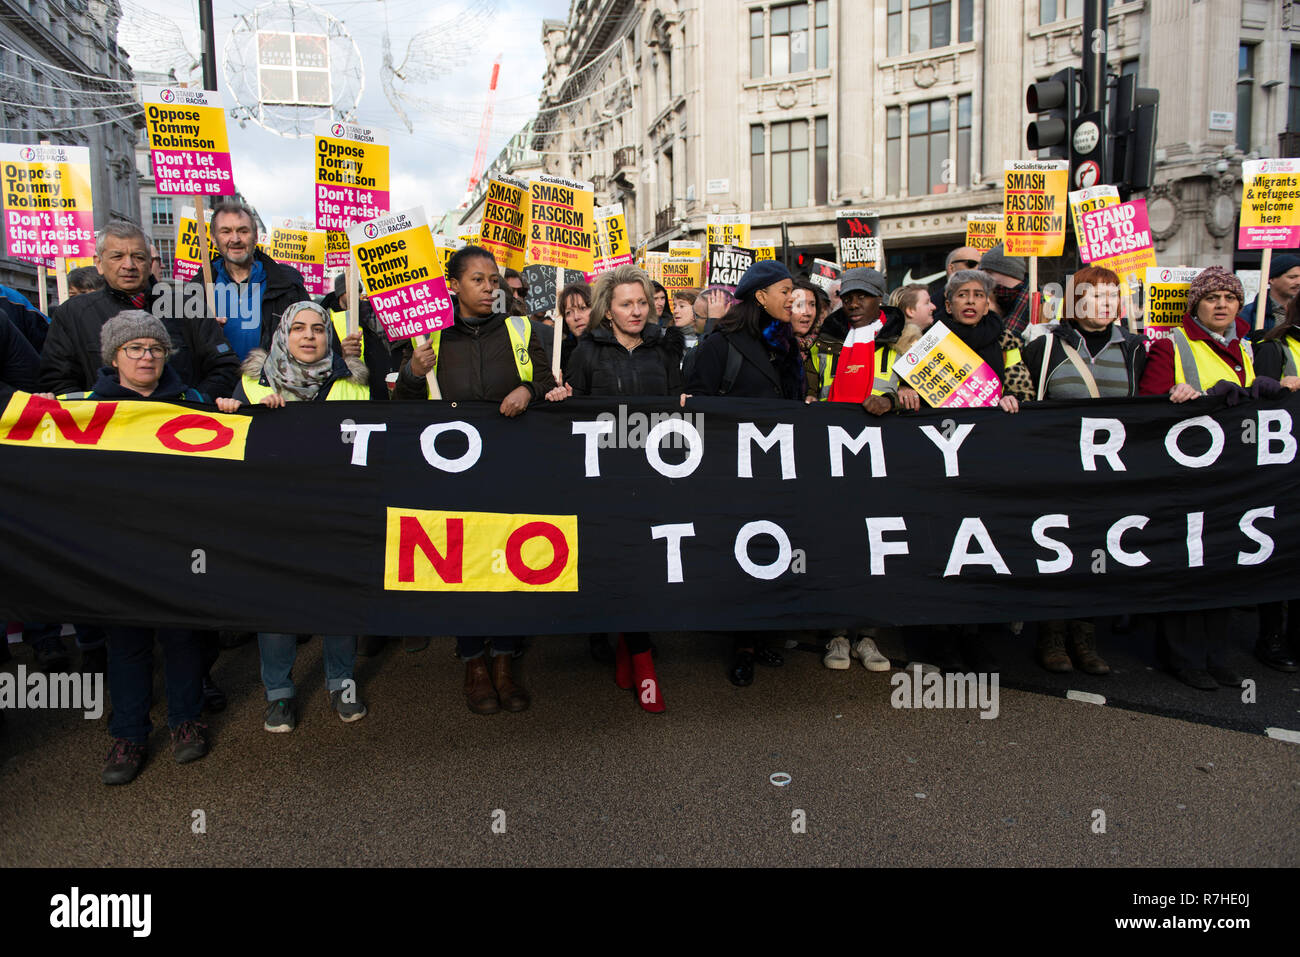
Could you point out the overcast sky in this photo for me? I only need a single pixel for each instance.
(429, 167)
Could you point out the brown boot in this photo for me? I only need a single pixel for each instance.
(1051, 647)
(1083, 648)
(479, 693)
(512, 697)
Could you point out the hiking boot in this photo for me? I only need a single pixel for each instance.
(1083, 648)
(189, 742)
(51, 655)
(125, 759)
(479, 693)
(867, 652)
(511, 695)
(281, 716)
(348, 711)
(837, 654)
(1051, 647)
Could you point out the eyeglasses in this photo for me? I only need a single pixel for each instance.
(137, 351)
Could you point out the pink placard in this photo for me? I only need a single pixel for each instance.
(979, 389)
(43, 236)
(191, 172)
(415, 310)
(338, 207)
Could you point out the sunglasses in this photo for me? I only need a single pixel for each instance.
(968, 263)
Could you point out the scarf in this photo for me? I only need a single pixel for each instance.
(1013, 302)
(286, 375)
(783, 345)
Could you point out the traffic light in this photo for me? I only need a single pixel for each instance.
(1136, 109)
(1055, 97)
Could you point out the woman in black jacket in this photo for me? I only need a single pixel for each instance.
(624, 353)
(753, 354)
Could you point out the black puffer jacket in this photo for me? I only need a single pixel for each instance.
(72, 357)
(601, 365)
(761, 375)
(284, 287)
(477, 362)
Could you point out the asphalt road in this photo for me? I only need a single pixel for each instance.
(586, 778)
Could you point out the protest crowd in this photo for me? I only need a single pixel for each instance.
(771, 335)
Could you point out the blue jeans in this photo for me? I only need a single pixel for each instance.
(130, 679)
(280, 651)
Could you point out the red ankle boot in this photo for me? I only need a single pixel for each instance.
(622, 665)
(646, 683)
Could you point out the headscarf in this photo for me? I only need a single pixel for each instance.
(285, 374)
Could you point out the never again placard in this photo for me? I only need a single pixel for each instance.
(1033, 210)
(187, 141)
(402, 273)
(351, 174)
(48, 208)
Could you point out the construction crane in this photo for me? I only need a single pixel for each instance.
(480, 155)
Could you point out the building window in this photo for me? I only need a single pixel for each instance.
(794, 149)
(821, 161)
(160, 208)
(757, 158)
(893, 148)
(927, 147)
(789, 164)
(928, 24)
(1049, 11)
(794, 48)
(1245, 94)
(1293, 94)
(963, 141)
(166, 252)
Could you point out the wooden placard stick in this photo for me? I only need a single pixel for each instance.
(1262, 307)
(432, 376)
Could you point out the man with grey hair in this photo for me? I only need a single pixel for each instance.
(71, 358)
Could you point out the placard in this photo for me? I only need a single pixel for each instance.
(503, 231)
(677, 273)
(304, 250)
(1165, 299)
(727, 264)
(187, 141)
(352, 180)
(337, 250)
(614, 249)
(446, 247)
(1085, 201)
(1034, 207)
(189, 246)
(764, 249)
(947, 373)
(858, 232)
(402, 274)
(48, 209)
(983, 230)
(1270, 204)
(1118, 238)
(824, 274)
(561, 231)
(540, 289)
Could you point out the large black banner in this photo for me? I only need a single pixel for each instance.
(588, 515)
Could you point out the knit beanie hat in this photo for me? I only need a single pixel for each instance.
(997, 260)
(127, 325)
(1213, 279)
(1282, 264)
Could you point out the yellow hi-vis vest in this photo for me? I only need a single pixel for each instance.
(340, 390)
(1291, 356)
(885, 380)
(1197, 364)
(521, 333)
(340, 320)
(824, 360)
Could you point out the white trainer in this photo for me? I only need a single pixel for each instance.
(837, 654)
(867, 652)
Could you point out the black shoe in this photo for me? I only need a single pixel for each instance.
(233, 639)
(975, 653)
(1272, 650)
(303, 639)
(601, 650)
(369, 645)
(50, 654)
(1225, 676)
(769, 658)
(946, 657)
(1196, 678)
(742, 669)
(214, 699)
(94, 660)
(190, 741)
(124, 762)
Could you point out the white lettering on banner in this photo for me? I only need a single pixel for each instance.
(972, 529)
(949, 446)
(877, 547)
(839, 440)
(748, 434)
(694, 448)
(1089, 448)
(1262, 539)
(361, 439)
(1195, 526)
(1268, 435)
(1210, 456)
(1064, 557)
(1115, 541)
(673, 535)
(467, 460)
(591, 433)
(764, 572)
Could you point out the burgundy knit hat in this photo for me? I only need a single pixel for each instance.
(1213, 279)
